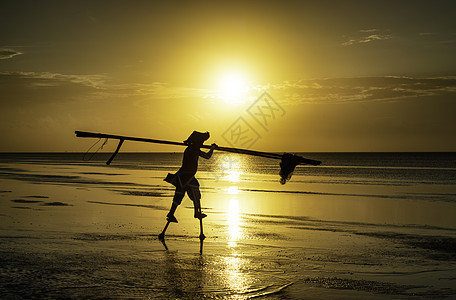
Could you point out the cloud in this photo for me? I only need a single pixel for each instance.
(53, 79)
(374, 37)
(368, 30)
(93, 86)
(436, 39)
(47, 79)
(327, 90)
(157, 90)
(8, 53)
(367, 36)
(362, 89)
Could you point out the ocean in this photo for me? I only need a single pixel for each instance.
(360, 226)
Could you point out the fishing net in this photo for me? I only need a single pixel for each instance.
(287, 166)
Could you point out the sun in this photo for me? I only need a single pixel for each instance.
(233, 88)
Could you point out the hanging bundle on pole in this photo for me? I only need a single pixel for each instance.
(287, 164)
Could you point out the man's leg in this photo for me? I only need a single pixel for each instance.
(170, 216)
(177, 200)
(195, 196)
(198, 213)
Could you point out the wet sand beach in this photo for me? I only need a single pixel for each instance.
(72, 229)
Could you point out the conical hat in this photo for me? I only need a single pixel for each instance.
(197, 137)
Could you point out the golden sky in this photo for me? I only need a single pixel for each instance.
(339, 75)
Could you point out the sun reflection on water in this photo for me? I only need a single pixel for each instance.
(233, 175)
(235, 278)
(233, 190)
(234, 223)
(232, 167)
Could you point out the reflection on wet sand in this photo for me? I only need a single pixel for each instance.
(235, 278)
(183, 276)
(234, 223)
(338, 233)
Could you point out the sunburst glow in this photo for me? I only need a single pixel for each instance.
(233, 88)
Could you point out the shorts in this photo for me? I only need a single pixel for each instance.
(191, 188)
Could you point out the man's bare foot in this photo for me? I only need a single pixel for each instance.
(200, 216)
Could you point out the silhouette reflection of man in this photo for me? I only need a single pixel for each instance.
(184, 180)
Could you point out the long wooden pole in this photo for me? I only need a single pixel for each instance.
(122, 138)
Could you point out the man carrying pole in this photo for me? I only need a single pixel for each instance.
(185, 182)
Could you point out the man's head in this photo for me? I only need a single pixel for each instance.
(197, 138)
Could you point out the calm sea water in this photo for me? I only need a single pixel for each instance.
(385, 168)
(360, 226)
(405, 176)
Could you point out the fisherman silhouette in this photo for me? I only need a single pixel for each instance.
(184, 179)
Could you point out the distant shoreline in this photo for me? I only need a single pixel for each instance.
(279, 152)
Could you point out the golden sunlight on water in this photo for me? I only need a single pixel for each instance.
(234, 223)
(231, 167)
(233, 175)
(235, 278)
(232, 190)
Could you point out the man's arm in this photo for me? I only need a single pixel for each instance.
(208, 154)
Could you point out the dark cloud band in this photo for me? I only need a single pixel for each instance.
(8, 53)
